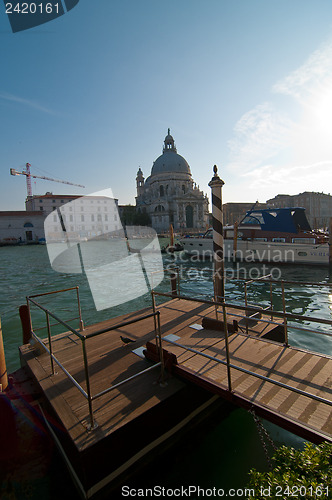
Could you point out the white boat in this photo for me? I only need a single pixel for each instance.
(280, 235)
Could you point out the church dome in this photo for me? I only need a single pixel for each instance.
(170, 160)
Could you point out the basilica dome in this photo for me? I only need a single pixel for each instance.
(170, 160)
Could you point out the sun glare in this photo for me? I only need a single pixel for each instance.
(321, 106)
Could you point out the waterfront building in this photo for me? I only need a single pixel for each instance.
(48, 202)
(21, 227)
(170, 195)
(84, 217)
(318, 206)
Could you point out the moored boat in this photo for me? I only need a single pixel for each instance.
(281, 235)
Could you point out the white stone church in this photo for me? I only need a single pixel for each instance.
(169, 195)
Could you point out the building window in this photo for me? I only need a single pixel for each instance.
(53, 208)
(40, 201)
(161, 191)
(71, 218)
(106, 217)
(53, 201)
(82, 218)
(99, 218)
(41, 208)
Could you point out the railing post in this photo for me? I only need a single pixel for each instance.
(227, 348)
(178, 280)
(79, 310)
(271, 297)
(284, 311)
(246, 305)
(154, 309)
(160, 347)
(93, 425)
(49, 341)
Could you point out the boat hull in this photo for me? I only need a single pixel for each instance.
(261, 251)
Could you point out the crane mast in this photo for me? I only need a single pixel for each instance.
(28, 175)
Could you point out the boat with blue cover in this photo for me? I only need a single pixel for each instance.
(276, 235)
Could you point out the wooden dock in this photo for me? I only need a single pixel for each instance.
(250, 354)
(129, 421)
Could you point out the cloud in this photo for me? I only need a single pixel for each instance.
(276, 151)
(26, 102)
(259, 135)
(295, 178)
(309, 77)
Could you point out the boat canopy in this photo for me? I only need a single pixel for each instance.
(286, 220)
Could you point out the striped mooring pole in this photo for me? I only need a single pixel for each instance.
(330, 243)
(216, 185)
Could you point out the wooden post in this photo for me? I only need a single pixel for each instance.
(3, 368)
(174, 283)
(171, 236)
(26, 323)
(330, 243)
(216, 185)
(236, 225)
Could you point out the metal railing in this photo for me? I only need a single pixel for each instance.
(54, 292)
(281, 283)
(227, 362)
(254, 310)
(87, 393)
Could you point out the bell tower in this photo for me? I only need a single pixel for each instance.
(140, 182)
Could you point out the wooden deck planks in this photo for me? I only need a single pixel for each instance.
(297, 368)
(110, 361)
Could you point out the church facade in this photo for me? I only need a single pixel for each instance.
(169, 195)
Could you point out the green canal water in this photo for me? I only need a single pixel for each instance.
(218, 454)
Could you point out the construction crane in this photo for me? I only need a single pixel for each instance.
(28, 175)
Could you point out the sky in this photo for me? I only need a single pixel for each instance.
(243, 84)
